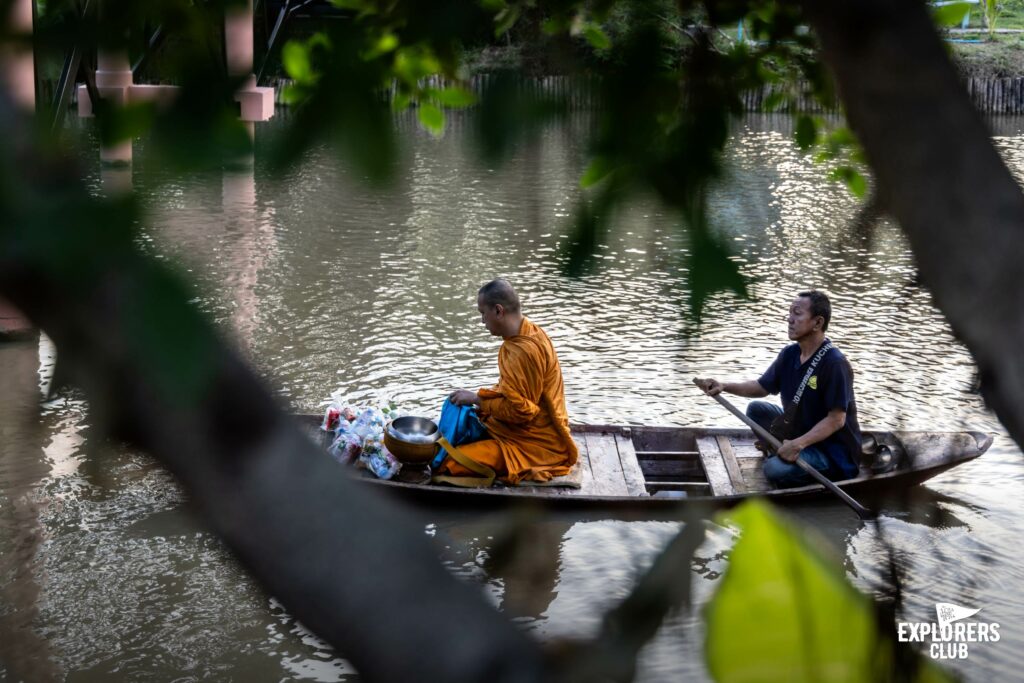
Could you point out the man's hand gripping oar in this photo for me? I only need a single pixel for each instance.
(764, 434)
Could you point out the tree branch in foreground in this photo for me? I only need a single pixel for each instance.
(357, 570)
(941, 177)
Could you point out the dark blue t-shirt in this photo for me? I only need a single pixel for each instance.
(830, 387)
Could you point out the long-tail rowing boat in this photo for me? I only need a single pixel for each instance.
(631, 467)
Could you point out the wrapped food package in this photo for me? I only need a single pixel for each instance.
(346, 448)
(359, 437)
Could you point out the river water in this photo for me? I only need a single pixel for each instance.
(331, 287)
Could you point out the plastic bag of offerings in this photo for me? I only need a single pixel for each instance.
(332, 418)
(337, 415)
(346, 447)
(359, 436)
(379, 460)
(369, 424)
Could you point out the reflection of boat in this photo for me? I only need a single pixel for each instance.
(645, 467)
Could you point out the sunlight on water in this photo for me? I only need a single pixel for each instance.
(327, 286)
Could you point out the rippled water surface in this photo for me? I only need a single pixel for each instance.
(328, 286)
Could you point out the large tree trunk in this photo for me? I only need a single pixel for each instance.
(939, 176)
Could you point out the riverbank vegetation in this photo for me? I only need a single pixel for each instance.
(977, 52)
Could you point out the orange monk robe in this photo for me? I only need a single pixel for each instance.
(524, 414)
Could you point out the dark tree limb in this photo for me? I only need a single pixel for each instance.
(942, 179)
(356, 569)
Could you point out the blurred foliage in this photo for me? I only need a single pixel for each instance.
(55, 232)
(991, 16)
(670, 88)
(786, 604)
(951, 14)
(667, 82)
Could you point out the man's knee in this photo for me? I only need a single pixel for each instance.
(788, 474)
(775, 468)
(761, 411)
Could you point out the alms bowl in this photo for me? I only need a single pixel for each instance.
(412, 439)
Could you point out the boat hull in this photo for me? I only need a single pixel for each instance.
(629, 470)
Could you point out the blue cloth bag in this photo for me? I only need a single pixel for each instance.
(458, 424)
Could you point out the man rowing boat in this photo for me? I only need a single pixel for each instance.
(525, 412)
(818, 420)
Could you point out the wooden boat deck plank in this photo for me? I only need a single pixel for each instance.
(631, 471)
(714, 466)
(744, 448)
(605, 465)
(587, 487)
(731, 466)
(753, 474)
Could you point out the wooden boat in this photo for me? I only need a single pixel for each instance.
(660, 467)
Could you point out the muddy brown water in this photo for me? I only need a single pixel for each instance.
(328, 286)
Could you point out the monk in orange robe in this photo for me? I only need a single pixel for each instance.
(525, 413)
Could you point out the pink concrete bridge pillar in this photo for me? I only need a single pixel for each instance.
(114, 83)
(17, 72)
(257, 104)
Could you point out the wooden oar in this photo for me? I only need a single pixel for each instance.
(862, 511)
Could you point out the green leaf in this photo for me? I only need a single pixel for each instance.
(296, 61)
(454, 97)
(774, 101)
(432, 118)
(806, 132)
(493, 5)
(711, 270)
(952, 14)
(120, 123)
(293, 94)
(598, 169)
(554, 26)
(384, 44)
(784, 611)
(362, 6)
(763, 72)
(401, 101)
(596, 37)
(855, 182)
(765, 13)
(588, 229)
(842, 136)
(181, 352)
(413, 63)
(505, 19)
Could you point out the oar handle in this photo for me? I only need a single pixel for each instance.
(862, 511)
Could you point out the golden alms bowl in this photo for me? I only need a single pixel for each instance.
(412, 439)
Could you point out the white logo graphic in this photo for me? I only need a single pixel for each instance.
(947, 613)
(949, 635)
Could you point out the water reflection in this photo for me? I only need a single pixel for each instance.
(251, 250)
(519, 555)
(116, 180)
(25, 652)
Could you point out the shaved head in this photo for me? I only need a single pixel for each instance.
(497, 292)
